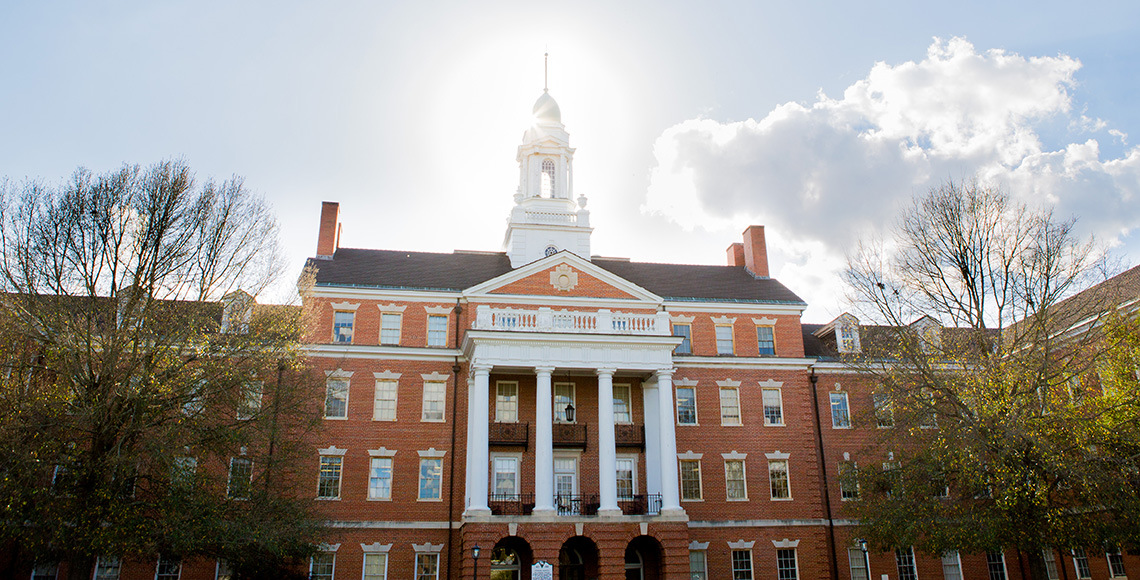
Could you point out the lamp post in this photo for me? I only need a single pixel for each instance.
(866, 558)
(475, 556)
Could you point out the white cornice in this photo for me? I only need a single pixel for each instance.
(341, 351)
(354, 293)
(741, 362)
(743, 308)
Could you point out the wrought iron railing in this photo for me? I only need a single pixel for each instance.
(509, 434)
(511, 504)
(576, 504)
(640, 505)
(626, 435)
(569, 435)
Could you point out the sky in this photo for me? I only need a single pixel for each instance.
(692, 120)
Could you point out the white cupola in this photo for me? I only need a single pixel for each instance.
(546, 218)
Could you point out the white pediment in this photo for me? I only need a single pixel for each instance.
(574, 265)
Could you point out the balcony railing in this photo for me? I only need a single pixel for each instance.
(509, 434)
(640, 505)
(511, 504)
(572, 435)
(626, 435)
(567, 321)
(576, 504)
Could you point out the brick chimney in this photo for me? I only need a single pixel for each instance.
(755, 251)
(736, 254)
(328, 239)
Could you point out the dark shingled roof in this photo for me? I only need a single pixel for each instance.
(458, 271)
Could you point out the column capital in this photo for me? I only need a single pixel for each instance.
(480, 369)
(605, 372)
(543, 370)
(665, 373)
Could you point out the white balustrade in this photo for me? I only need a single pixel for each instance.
(571, 321)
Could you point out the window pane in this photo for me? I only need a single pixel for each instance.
(884, 413)
(380, 478)
(778, 478)
(507, 402)
(729, 406)
(427, 566)
(765, 340)
(742, 565)
(342, 326)
(431, 475)
(858, 563)
(951, 566)
(437, 331)
(773, 407)
(848, 485)
(1050, 564)
(622, 410)
(1081, 563)
(839, 416)
(625, 483)
(904, 559)
(686, 406)
(995, 563)
(336, 398)
(724, 340)
(433, 401)
(683, 330)
(390, 326)
(321, 566)
(1116, 564)
(384, 406)
(563, 397)
(328, 484)
(375, 566)
(241, 473)
(690, 479)
(698, 569)
(506, 475)
(107, 568)
(168, 569)
(786, 564)
(734, 480)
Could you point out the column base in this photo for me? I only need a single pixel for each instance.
(609, 512)
(672, 511)
(544, 511)
(476, 512)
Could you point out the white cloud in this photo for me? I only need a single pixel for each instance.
(825, 174)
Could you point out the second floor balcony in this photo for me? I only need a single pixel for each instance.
(571, 321)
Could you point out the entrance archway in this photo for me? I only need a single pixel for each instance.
(644, 559)
(511, 559)
(578, 559)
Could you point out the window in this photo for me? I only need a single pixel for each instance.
(724, 339)
(623, 410)
(336, 398)
(698, 565)
(342, 325)
(928, 420)
(506, 402)
(1050, 564)
(222, 571)
(322, 566)
(328, 481)
(431, 478)
(626, 477)
(182, 471)
(773, 406)
(995, 563)
(168, 568)
(786, 568)
(742, 565)
(427, 566)
(951, 566)
(904, 559)
(1115, 564)
(729, 406)
(857, 560)
(884, 411)
(375, 566)
(547, 178)
(380, 478)
(107, 568)
(686, 406)
(778, 478)
(735, 486)
(766, 340)
(241, 474)
(390, 325)
(840, 417)
(434, 393)
(1081, 563)
(45, 571)
(691, 479)
(437, 330)
(563, 397)
(384, 403)
(505, 475)
(685, 332)
(250, 402)
(848, 483)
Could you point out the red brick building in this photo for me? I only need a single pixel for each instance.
(614, 419)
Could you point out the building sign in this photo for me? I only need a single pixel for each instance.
(541, 571)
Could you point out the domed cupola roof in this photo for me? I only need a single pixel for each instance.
(546, 111)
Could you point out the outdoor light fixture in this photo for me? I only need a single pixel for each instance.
(569, 412)
(475, 556)
(866, 557)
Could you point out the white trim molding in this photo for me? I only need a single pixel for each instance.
(375, 547)
(438, 310)
(689, 455)
(776, 455)
(428, 548)
(764, 321)
(684, 383)
(771, 384)
(431, 452)
(682, 319)
(435, 377)
(734, 456)
(786, 543)
(723, 320)
(382, 452)
(741, 545)
(332, 451)
(391, 309)
(339, 374)
(728, 383)
(344, 306)
(387, 376)
(695, 545)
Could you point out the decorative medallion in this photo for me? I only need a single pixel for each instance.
(563, 278)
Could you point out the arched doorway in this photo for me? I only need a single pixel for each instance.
(511, 559)
(643, 559)
(578, 559)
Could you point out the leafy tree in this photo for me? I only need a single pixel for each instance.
(1003, 437)
(148, 405)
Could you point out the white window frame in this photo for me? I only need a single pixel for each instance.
(514, 457)
(421, 553)
(512, 414)
(775, 460)
(722, 341)
(387, 390)
(339, 327)
(779, 405)
(703, 572)
(436, 337)
(387, 330)
(101, 563)
(681, 474)
(627, 399)
(330, 455)
(230, 491)
(219, 573)
(249, 403)
(1079, 554)
(727, 420)
(743, 477)
(426, 457)
(862, 560)
(751, 567)
(906, 559)
(1050, 558)
(337, 377)
(364, 566)
(677, 394)
(843, 408)
(1111, 571)
(884, 409)
(312, 561)
(686, 346)
(158, 567)
(381, 455)
(770, 328)
(795, 564)
(558, 407)
(953, 559)
(632, 459)
(847, 494)
(989, 563)
(437, 387)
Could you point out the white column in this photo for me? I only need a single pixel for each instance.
(670, 492)
(543, 443)
(478, 455)
(649, 398)
(607, 451)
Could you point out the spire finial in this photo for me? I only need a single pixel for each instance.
(546, 72)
